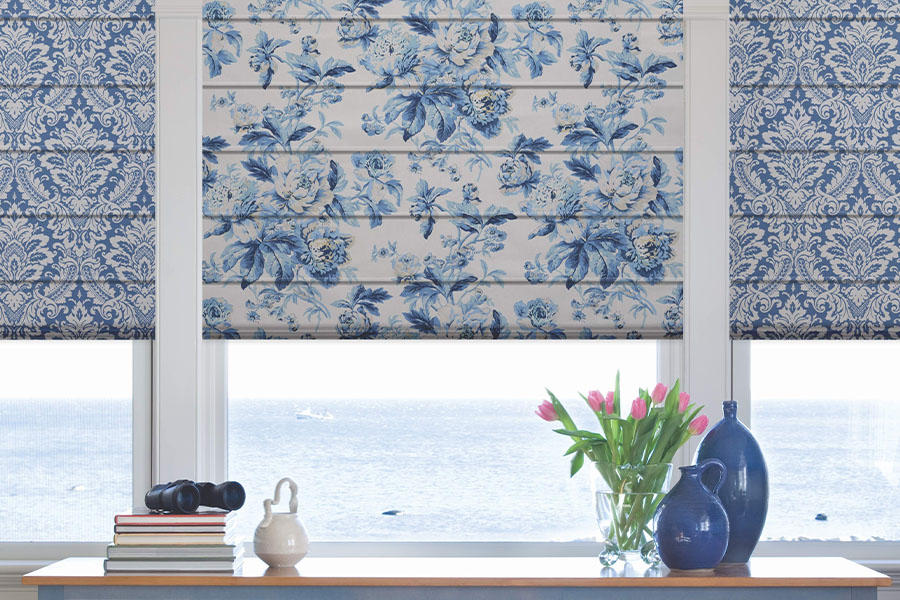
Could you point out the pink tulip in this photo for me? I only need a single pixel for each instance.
(638, 409)
(698, 425)
(546, 411)
(610, 402)
(595, 400)
(659, 393)
(683, 400)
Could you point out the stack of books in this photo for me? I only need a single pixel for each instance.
(158, 542)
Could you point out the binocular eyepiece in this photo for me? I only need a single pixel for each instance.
(184, 496)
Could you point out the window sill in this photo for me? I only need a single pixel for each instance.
(861, 552)
(11, 572)
(11, 552)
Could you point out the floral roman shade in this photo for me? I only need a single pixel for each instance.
(815, 169)
(443, 168)
(77, 123)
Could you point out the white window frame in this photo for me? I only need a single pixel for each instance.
(14, 555)
(173, 412)
(883, 555)
(702, 359)
(185, 435)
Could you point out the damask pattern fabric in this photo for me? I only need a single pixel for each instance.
(443, 168)
(77, 176)
(815, 169)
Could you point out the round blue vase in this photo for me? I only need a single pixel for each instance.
(745, 491)
(691, 524)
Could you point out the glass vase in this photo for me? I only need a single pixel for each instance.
(625, 498)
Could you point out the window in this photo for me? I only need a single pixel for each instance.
(827, 415)
(385, 443)
(65, 439)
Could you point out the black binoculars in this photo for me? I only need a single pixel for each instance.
(184, 496)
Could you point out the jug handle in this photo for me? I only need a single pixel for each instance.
(707, 464)
(267, 504)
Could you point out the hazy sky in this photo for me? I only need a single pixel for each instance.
(448, 370)
(437, 370)
(65, 369)
(825, 370)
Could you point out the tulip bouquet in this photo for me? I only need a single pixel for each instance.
(632, 454)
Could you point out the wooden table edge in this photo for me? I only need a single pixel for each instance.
(294, 581)
(88, 572)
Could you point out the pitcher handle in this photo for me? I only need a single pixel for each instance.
(267, 504)
(704, 465)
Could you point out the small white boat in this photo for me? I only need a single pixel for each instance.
(319, 415)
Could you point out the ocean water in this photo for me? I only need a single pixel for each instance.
(837, 458)
(479, 470)
(466, 470)
(469, 470)
(65, 468)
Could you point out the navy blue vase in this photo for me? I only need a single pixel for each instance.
(691, 525)
(745, 491)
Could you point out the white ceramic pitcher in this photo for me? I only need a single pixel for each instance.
(280, 539)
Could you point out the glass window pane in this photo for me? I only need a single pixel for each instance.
(444, 433)
(827, 415)
(65, 439)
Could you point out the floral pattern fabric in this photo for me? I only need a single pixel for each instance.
(815, 191)
(443, 168)
(77, 175)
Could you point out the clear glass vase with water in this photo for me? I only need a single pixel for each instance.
(626, 498)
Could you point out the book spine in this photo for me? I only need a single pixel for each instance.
(169, 557)
(159, 539)
(225, 566)
(186, 529)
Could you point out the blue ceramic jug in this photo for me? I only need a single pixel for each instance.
(745, 491)
(691, 525)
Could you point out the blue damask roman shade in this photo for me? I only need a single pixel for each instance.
(77, 125)
(815, 169)
(443, 168)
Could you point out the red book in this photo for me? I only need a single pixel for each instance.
(212, 517)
